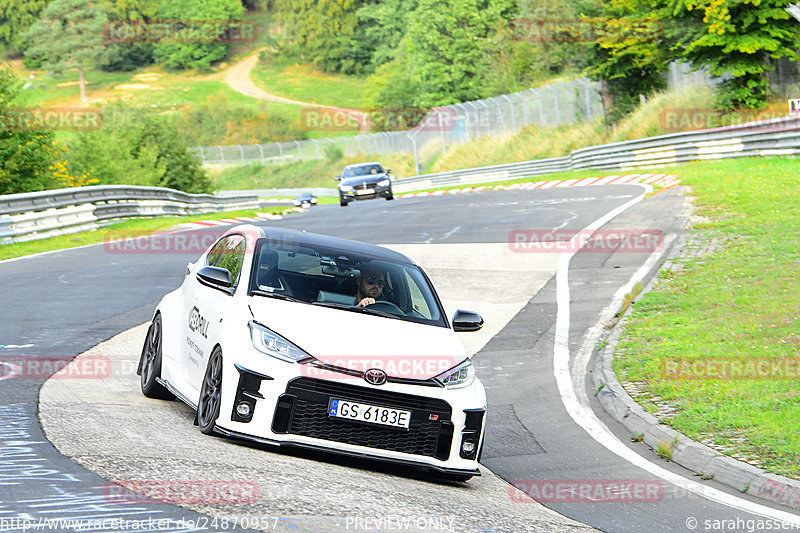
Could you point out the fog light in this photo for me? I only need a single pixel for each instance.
(468, 446)
(243, 409)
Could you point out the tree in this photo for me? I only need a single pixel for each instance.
(26, 157)
(128, 56)
(68, 36)
(450, 46)
(322, 32)
(630, 53)
(735, 38)
(16, 16)
(394, 85)
(197, 54)
(137, 148)
(381, 26)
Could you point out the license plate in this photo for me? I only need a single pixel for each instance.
(365, 191)
(369, 413)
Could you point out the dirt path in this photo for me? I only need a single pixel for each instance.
(238, 78)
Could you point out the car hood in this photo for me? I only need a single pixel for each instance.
(359, 342)
(372, 179)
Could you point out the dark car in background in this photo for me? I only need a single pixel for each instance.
(305, 200)
(364, 181)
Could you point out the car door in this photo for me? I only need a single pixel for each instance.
(206, 307)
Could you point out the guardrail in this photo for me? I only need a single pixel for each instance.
(35, 215)
(41, 214)
(772, 137)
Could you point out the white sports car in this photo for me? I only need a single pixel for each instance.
(292, 338)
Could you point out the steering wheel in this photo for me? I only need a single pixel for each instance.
(388, 307)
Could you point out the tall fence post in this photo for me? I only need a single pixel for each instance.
(417, 167)
(441, 129)
(555, 105)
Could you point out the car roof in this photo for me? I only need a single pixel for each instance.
(363, 164)
(347, 245)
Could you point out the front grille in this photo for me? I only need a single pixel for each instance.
(307, 401)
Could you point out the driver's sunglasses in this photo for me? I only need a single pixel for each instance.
(375, 281)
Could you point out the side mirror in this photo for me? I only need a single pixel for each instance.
(215, 277)
(337, 178)
(389, 171)
(467, 321)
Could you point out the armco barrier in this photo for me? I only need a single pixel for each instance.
(33, 215)
(761, 138)
(41, 214)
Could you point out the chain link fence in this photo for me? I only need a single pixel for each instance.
(548, 106)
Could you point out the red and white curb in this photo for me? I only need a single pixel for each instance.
(238, 220)
(662, 180)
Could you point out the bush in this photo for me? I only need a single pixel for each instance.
(217, 121)
(199, 55)
(26, 157)
(136, 148)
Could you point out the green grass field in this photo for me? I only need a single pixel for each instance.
(307, 84)
(737, 302)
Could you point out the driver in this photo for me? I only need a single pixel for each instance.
(370, 286)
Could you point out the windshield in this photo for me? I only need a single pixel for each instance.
(319, 275)
(364, 170)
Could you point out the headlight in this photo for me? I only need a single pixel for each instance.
(345, 188)
(270, 343)
(383, 183)
(461, 375)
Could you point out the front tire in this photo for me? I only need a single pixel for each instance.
(150, 364)
(210, 393)
(342, 202)
(390, 196)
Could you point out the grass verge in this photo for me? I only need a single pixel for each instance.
(305, 83)
(736, 302)
(139, 226)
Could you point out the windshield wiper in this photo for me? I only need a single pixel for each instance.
(277, 295)
(355, 309)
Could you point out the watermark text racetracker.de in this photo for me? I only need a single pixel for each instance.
(51, 118)
(347, 367)
(180, 31)
(58, 367)
(599, 241)
(586, 490)
(172, 242)
(182, 492)
(583, 30)
(674, 120)
(385, 119)
(716, 368)
(201, 523)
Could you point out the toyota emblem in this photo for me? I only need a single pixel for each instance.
(375, 376)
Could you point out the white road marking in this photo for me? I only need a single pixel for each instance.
(582, 414)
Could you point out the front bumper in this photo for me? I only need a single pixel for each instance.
(366, 193)
(292, 410)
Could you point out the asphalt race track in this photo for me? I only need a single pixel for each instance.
(61, 304)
